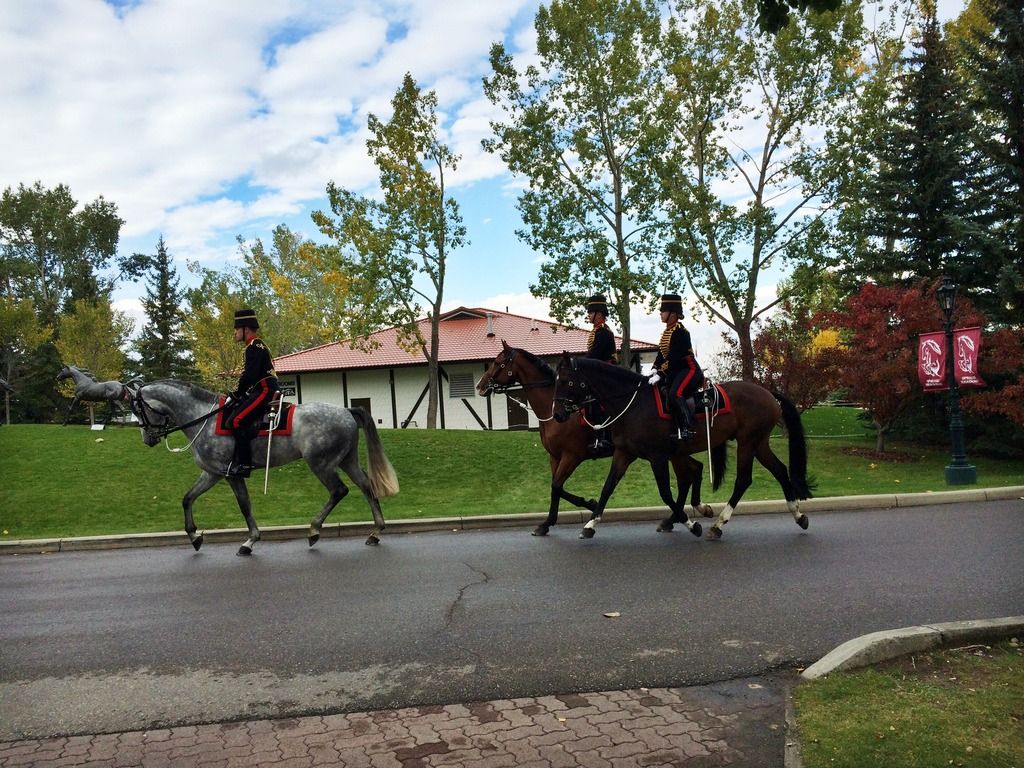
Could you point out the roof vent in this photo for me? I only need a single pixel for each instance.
(490, 325)
(533, 325)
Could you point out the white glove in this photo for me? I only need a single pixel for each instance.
(228, 400)
(655, 377)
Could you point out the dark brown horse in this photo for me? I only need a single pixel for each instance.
(747, 414)
(567, 442)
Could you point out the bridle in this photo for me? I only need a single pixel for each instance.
(507, 359)
(158, 431)
(571, 403)
(506, 362)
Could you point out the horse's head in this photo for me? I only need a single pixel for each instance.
(154, 419)
(499, 373)
(570, 388)
(65, 373)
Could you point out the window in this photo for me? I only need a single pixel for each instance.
(461, 385)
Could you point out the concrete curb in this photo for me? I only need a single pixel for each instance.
(882, 646)
(478, 522)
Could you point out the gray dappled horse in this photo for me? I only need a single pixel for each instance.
(92, 391)
(326, 436)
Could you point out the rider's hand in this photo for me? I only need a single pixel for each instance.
(228, 399)
(655, 377)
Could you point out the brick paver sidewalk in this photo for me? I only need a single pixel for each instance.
(735, 723)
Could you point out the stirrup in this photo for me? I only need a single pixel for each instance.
(238, 470)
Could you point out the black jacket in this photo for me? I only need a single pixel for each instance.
(258, 365)
(601, 344)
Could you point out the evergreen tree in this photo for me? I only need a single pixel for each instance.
(919, 220)
(994, 61)
(162, 349)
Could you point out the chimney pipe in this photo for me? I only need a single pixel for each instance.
(490, 325)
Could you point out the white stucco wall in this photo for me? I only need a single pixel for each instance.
(409, 382)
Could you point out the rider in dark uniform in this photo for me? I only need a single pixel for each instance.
(600, 346)
(252, 396)
(676, 363)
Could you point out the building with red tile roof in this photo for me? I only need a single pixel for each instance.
(391, 382)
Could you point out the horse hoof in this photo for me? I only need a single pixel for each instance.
(696, 530)
(244, 551)
(314, 539)
(666, 527)
(803, 522)
(540, 530)
(372, 540)
(706, 510)
(714, 533)
(587, 533)
(197, 542)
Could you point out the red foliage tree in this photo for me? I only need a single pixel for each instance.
(879, 364)
(1002, 356)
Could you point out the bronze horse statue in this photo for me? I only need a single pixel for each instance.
(567, 441)
(113, 393)
(744, 412)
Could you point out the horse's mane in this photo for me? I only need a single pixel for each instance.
(186, 386)
(544, 368)
(615, 372)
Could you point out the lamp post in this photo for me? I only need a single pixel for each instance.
(958, 471)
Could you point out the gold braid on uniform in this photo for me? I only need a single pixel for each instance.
(590, 339)
(663, 345)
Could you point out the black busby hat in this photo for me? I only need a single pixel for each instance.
(246, 318)
(598, 303)
(671, 302)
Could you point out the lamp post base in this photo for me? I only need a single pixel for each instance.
(961, 474)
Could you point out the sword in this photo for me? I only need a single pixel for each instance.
(275, 419)
(707, 426)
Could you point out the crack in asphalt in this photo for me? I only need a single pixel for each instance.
(450, 613)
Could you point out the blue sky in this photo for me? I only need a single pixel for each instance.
(207, 120)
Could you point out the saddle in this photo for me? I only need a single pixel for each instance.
(712, 398)
(261, 428)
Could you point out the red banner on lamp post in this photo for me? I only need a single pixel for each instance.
(931, 359)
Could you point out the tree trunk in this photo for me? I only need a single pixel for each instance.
(880, 437)
(746, 351)
(433, 381)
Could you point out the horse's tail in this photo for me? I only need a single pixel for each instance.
(719, 459)
(797, 447)
(383, 480)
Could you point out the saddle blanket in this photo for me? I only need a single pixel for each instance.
(719, 402)
(284, 424)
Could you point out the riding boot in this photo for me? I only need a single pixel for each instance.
(685, 424)
(241, 461)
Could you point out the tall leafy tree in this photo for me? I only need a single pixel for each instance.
(396, 249)
(54, 251)
(21, 334)
(209, 326)
(993, 64)
(303, 286)
(163, 351)
(919, 220)
(581, 127)
(749, 183)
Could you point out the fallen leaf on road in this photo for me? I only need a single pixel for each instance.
(613, 614)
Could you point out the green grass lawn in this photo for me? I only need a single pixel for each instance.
(71, 481)
(959, 707)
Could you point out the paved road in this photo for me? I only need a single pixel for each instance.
(136, 639)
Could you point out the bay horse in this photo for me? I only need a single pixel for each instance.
(567, 441)
(642, 429)
(325, 435)
(92, 391)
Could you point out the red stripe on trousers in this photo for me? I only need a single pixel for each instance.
(240, 417)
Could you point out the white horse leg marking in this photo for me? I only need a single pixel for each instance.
(794, 509)
(592, 523)
(723, 518)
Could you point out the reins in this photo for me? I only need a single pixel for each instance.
(162, 432)
(503, 389)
